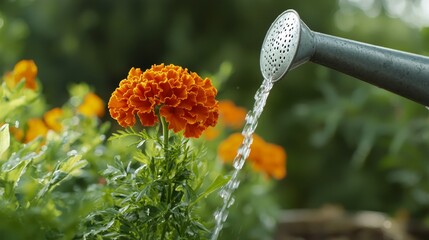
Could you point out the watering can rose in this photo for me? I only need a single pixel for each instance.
(184, 99)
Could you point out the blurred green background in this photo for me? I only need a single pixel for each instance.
(348, 143)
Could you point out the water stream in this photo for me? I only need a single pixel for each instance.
(243, 152)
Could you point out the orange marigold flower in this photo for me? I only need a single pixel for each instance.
(232, 115)
(53, 119)
(272, 161)
(36, 127)
(184, 99)
(92, 105)
(23, 70)
(227, 149)
(264, 157)
(118, 104)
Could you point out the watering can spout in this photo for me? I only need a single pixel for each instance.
(402, 73)
(293, 44)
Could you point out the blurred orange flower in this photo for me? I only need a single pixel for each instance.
(40, 127)
(17, 133)
(184, 99)
(227, 149)
(23, 70)
(264, 157)
(92, 105)
(211, 133)
(36, 127)
(232, 115)
(272, 162)
(53, 119)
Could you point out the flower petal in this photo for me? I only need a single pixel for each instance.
(147, 118)
(174, 117)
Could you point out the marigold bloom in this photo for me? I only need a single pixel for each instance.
(118, 104)
(184, 99)
(92, 105)
(273, 161)
(232, 115)
(53, 119)
(36, 127)
(264, 157)
(227, 149)
(23, 70)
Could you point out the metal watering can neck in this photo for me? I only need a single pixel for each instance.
(290, 43)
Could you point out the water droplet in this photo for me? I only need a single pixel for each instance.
(235, 184)
(224, 194)
(72, 153)
(238, 163)
(84, 149)
(75, 121)
(99, 150)
(224, 216)
(141, 143)
(231, 202)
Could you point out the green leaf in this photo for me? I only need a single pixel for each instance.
(63, 170)
(12, 177)
(17, 172)
(129, 132)
(12, 171)
(189, 192)
(15, 99)
(73, 165)
(15, 161)
(216, 184)
(11, 106)
(4, 138)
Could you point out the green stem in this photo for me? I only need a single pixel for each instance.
(164, 229)
(165, 134)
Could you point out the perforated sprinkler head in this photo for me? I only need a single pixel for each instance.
(287, 44)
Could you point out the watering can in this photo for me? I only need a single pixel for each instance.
(290, 43)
